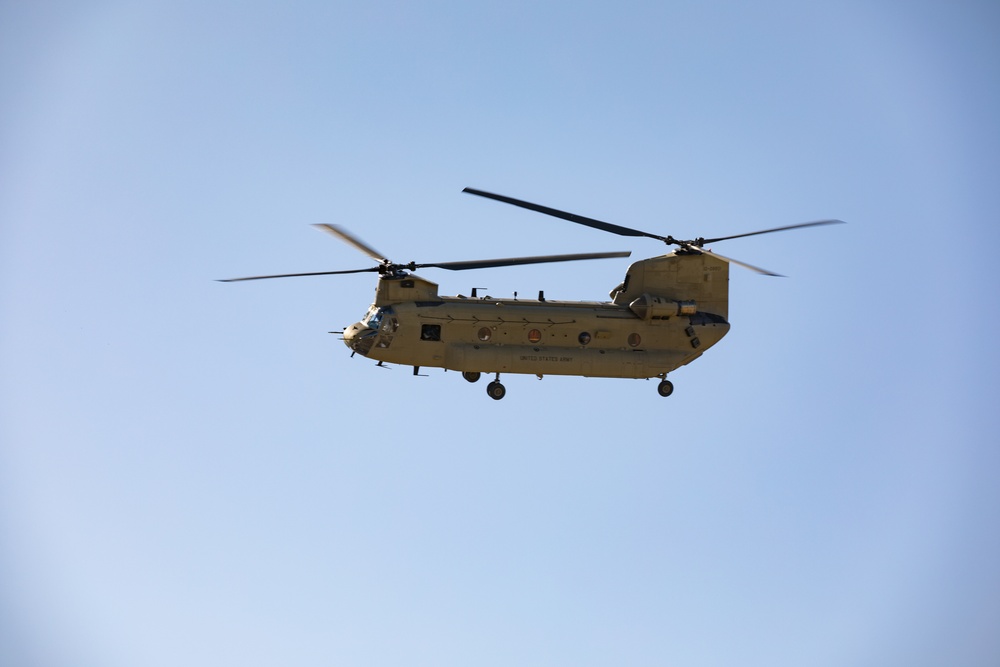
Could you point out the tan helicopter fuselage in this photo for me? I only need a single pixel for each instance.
(665, 314)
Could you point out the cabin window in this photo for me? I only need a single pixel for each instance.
(534, 335)
(485, 334)
(634, 339)
(584, 338)
(430, 332)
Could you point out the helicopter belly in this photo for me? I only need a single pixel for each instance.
(563, 361)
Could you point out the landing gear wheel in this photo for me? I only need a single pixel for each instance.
(665, 388)
(496, 390)
(472, 376)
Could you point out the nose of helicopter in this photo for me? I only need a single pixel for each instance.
(355, 337)
(351, 334)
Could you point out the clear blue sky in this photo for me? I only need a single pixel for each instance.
(196, 473)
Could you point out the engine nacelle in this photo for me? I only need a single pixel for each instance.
(650, 307)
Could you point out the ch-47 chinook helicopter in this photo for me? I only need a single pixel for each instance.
(666, 312)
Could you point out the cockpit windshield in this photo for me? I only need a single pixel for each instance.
(373, 318)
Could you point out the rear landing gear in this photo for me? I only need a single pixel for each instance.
(665, 388)
(471, 376)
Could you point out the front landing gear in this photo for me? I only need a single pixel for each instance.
(471, 376)
(496, 390)
(665, 388)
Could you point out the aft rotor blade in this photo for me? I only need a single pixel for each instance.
(572, 217)
(515, 261)
(756, 269)
(372, 269)
(776, 229)
(353, 241)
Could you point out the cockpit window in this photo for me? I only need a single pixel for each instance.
(373, 318)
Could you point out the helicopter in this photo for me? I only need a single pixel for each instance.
(666, 313)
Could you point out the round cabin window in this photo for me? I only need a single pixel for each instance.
(485, 334)
(634, 339)
(534, 335)
(584, 338)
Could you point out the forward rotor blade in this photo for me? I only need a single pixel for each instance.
(515, 261)
(353, 241)
(776, 229)
(372, 269)
(572, 217)
(756, 269)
